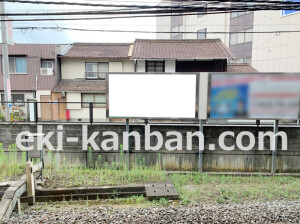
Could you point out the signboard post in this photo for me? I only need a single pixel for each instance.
(274, 150)
(201, 150)
(128, 146)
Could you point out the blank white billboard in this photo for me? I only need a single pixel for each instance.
(169, 96)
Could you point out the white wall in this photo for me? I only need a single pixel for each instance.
(73, 97)
(193, 23)
(72, 68)
(79, 112)
(212, 23)
(99, 114)
(170, 66)
(163, 23)
(140, 66)
(276, 52)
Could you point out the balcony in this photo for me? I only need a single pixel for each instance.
(95, 75)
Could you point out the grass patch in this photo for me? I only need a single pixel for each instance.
(81, 176)
(195, 188)
(11, 166)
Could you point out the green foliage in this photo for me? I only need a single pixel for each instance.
(201, 187)
(10, 165)
(108, 174)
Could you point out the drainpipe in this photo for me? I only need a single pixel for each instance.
(135, 64)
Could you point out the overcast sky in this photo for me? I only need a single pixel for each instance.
(50, 36)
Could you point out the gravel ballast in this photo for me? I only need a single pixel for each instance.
(250, 212)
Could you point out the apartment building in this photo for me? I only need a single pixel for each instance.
(267, 52)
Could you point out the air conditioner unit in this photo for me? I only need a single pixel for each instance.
(46, 71)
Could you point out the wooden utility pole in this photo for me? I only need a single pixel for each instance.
(6, 79)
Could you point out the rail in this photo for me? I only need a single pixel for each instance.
(15, 189)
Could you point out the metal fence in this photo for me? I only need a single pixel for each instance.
(91, 112)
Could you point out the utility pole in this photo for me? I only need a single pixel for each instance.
(6, 79)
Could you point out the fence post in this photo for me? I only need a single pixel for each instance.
(274, 150)
(200, 162)
(127, 151)
(91, 113)
(30, 183)
(36, 116)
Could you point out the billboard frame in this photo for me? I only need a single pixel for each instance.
(197, 74)
(244, 73)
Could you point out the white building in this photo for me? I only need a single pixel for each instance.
(267, 52)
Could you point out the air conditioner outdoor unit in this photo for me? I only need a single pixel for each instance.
(46, 71)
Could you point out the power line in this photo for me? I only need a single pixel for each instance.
(160, 11)
(101, 18)
(145, 31)
(89, 4)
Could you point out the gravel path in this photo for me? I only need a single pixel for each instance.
(251, 212)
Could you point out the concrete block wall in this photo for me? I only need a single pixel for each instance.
(218, 160)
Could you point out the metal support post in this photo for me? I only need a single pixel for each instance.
(36, 115)
(127, 150)
(91, 113)
(274, 149)
(201, 150)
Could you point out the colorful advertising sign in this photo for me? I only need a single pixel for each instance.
(254, 96)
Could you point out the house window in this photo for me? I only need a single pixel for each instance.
(17, 99)
(175, 31)
(243, 36)
(96, 70)
(155, 66)
(17, 65)
(98, 100)
(201, 34)
(241, 60)
(47, 64)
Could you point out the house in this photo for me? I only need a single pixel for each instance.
(34, 71)
(209, 55)
(83, 68)
(85, 65)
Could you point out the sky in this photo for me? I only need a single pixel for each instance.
(65, 37)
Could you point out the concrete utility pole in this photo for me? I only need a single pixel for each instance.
(6, 79)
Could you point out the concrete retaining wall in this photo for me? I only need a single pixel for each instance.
(217, 160)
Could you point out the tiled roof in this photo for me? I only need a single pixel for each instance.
(80, 86)
(45, 51)
(240, 68)
(98, 50)
(180, 49)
